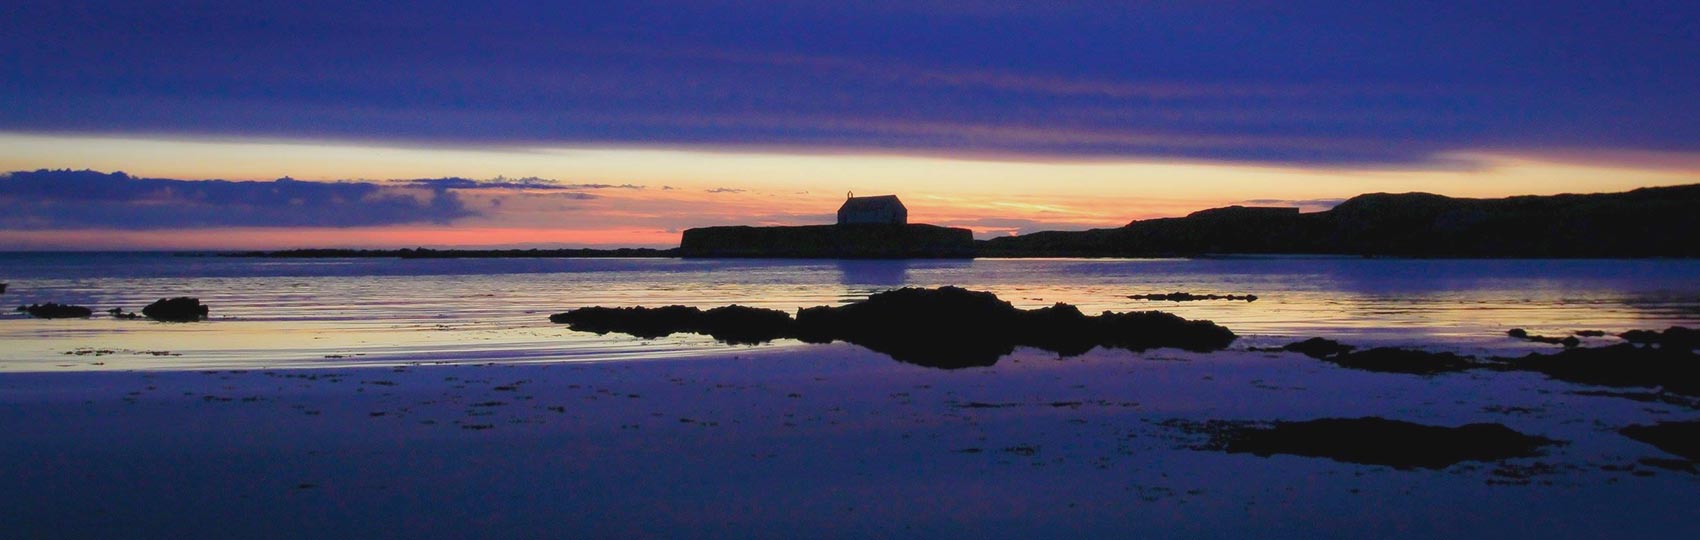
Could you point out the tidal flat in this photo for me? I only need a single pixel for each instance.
(825, 441)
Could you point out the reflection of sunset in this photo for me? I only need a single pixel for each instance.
(265, 318)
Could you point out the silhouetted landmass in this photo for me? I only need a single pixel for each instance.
(1377, 441)
(1679, 438)
(1190, 297)
(852, 241)
(424, 253)
(179, 309)
(948, 327)
(1647, 222)
(56, 311)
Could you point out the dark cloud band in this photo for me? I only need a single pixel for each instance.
(1323, 82)
(62, 199)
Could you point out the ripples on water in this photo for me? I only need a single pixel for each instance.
(334, 312)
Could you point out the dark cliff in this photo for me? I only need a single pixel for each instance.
(856, 241)
(1648, 222)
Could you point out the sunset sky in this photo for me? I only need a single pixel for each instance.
(622, 123)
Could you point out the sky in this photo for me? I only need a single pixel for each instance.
(217, 125)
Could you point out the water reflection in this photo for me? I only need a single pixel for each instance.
(496, 310)
(862, 273)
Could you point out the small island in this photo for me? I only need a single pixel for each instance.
(868, 228)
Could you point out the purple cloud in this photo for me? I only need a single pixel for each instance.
(65, 199)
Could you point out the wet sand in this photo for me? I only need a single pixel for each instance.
(822, 441)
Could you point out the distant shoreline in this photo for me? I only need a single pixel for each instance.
(673, 253)
(425, 253)
(1646, 223)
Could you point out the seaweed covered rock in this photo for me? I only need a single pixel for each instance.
(1679, 438)
(119, 313)
(1190, 297)
(1566, 341)
(643, 322)
(746, 325)
(1396, 360)
(955, 327)
(1060, 328)
(947, 327)
(944, 327)
(1623, 365)
(1379, 441)
(1141, 330)
(179, 309)
(56, 311)
(1675, 337)
(1318, 347)
(738, 325)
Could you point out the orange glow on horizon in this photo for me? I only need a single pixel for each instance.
(372, 237)
(675, 189)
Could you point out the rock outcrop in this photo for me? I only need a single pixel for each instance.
(56, 311)
(1675, 337)
(1318, 347)
(1664, 360)
(179, 309)
(1567, 341)
(948, 327)
(738, 325)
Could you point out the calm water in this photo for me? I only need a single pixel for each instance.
(795, 440)
(335, 312)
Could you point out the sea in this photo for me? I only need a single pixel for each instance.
(391, 398)
(381, 312)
